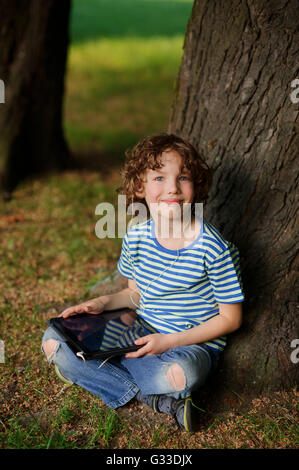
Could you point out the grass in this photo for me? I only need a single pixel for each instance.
(50, 256)
(123, 18)
(44, 431)
(122, 66)
(119, 87)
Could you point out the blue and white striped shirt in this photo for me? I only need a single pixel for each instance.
(180, 289)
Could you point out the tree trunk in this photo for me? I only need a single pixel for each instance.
(233, 101)
(33, 44)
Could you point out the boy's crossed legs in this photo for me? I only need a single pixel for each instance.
(168, 377)
(175, 374)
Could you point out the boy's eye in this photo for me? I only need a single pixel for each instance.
(160, 178)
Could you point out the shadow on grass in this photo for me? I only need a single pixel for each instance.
(95, 160)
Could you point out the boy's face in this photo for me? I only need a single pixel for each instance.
(168, 187)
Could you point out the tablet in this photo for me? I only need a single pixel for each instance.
(110, 333)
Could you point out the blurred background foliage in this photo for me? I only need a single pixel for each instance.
(123, 60)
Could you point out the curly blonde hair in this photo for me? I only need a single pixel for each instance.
(147, 153)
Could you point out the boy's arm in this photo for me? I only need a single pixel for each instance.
(121, 299)
(125, 298)
(228, 320)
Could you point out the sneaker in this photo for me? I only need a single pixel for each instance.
(150, 400)
(154, 404)
(183, 411)
(186, 415)
(62, 377)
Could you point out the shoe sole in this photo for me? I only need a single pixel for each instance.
(61, 377)
(188, 410)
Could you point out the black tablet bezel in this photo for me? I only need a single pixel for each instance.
(77, 347)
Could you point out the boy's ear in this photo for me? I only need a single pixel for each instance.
(140, 192)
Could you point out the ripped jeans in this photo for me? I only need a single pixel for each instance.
(118, 380)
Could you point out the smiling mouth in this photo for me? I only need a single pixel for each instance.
(172, 201)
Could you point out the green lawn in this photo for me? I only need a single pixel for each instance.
(122, 66)
(49, 256)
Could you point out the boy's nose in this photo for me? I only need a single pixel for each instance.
(173, 187)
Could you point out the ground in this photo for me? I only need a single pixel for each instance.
(51, 258)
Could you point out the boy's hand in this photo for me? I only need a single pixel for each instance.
(153, 344)
(93, 306)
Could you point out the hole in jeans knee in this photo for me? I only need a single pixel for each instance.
(176, 377)
(50, 348)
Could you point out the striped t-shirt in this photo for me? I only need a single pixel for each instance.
(180, 289)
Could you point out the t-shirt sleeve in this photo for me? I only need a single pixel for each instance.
(125, 265)
(225, 276)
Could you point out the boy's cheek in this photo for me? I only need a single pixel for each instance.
(153, 196)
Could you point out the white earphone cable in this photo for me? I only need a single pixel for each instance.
(155, 279)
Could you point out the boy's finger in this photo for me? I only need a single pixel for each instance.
(69, 311)
(139, 353)
(78, 309)
(142, 340)
(65, 313)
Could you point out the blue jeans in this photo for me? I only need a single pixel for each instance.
(120, 379)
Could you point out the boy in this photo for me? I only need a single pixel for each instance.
(186, 288)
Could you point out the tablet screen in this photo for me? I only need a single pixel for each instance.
(102, 332)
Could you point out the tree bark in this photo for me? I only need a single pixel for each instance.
(33, 44)
(233, 102)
